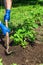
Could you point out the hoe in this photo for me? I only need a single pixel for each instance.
(7, 40)
(6, 31)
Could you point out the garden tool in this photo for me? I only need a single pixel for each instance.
(5, 31)
(7, 40)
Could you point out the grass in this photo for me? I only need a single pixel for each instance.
(19, 14)
(24, 14)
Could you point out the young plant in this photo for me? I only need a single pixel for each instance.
(1, 61)
(14, 64)
(24, 31)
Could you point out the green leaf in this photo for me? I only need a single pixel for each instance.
(14, 64)
(35, 25)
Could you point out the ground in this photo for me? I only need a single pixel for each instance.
(31, 55)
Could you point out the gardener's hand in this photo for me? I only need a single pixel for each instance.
(7, 15)
(4, 28)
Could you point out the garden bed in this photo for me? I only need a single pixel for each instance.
(28, 56)
(31, 55)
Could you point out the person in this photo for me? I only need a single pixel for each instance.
(8, 4)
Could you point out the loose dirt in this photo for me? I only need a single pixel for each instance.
(31, 55)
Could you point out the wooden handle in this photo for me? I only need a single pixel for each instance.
(7, 36)
(7, 40)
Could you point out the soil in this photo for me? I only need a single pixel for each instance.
(31, 55)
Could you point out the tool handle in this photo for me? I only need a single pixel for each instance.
(7, 40)
(6, 23)
(7, 35)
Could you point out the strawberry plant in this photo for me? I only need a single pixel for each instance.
(24, 31)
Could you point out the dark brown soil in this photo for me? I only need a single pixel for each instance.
(31, 55)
